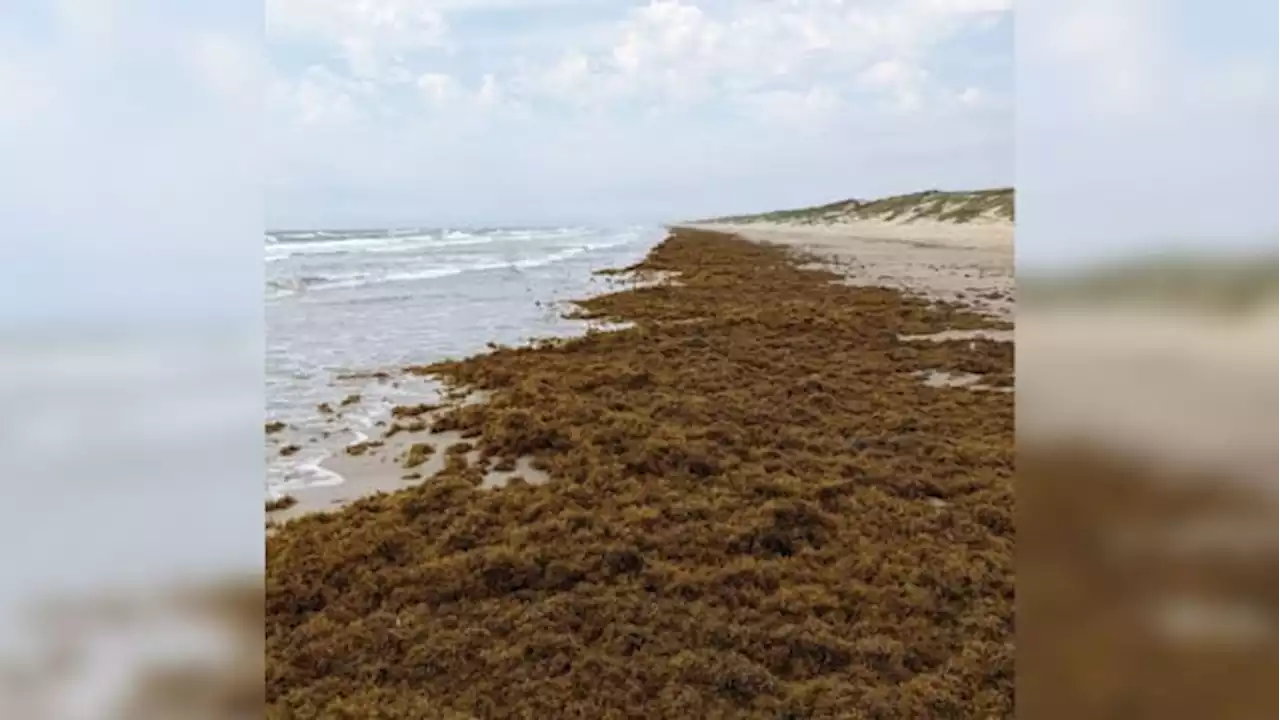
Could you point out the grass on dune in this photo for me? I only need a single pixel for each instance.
(939, 205)
(1184, 282)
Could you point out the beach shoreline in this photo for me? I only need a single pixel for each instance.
(708, 454)
(966, 263)
(394, 455)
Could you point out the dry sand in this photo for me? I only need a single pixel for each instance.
(1187, 392)
(966, 262)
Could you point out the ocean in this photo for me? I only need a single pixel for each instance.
(342, 303)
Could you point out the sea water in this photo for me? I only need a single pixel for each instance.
(341, 304)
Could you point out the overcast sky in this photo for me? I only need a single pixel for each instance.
(142, 134)
(509, 111)
(1145, 125)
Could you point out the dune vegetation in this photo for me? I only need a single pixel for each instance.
(757, 509)
(937, 205)
(1215, 282)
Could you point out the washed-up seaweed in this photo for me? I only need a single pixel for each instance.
(757, 509)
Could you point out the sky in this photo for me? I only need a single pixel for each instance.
(1145, 126)
(555, 111)
(131, 156)
(145, 143)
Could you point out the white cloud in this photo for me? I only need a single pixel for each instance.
(902, 81)
(1115, 45)
(1125, 59)
(370, 35)
(133, 138)
(438, 88)
(664, 30)
(681, 52)
(490, 93)
(715, 86)
(965, 7)
(321, 98)
(1134, 87)
(400, 22)
(665, 53)
(228, 67)
(441, 90)
(88, 22)
(806, 109)
(569, 75)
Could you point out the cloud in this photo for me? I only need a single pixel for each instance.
(1156, 115)
(369, 35)
(583, 100)
(490, 93)
(684, 52)
(398, 22)
(568, 77)
(130, 129)
(665, 51)
(323, 98)
(902, 81)
(229, 68)
(437, 87)
(796, 109)
(971, 96)
(89, 22)
(1116, 47)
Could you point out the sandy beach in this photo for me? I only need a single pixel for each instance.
(1146, 520)
(1192, 392)
(397, 454)
(970, 262)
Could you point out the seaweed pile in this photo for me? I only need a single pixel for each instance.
(1144, 591)
(757, 510)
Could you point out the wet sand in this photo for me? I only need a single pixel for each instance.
(379, 466)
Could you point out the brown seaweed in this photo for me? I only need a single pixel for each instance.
(757, 509)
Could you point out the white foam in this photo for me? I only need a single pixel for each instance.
(395, 243)
(433, 273)
(305, 473)
(463, 240)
